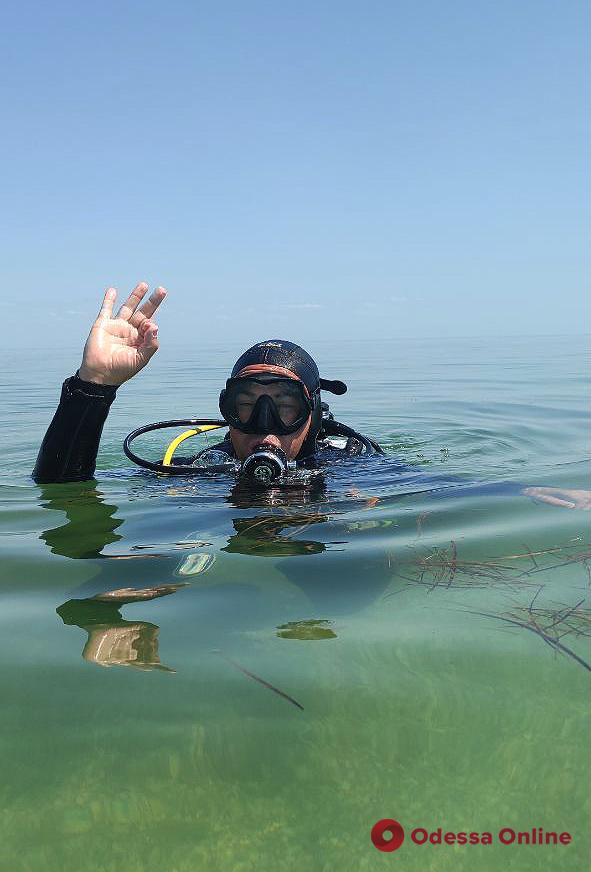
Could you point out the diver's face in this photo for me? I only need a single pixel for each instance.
(290, 444)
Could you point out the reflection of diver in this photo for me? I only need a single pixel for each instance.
(261, 536)
(307, 491)
(90, 526)
(339, 583)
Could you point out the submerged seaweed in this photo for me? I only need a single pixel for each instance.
(551, 624)
(440, 567)
(260, 680)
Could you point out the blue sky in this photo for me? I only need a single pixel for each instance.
(335, 168)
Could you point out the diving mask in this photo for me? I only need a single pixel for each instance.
(265, 404)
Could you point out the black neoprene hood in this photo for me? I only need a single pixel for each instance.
(281, 352)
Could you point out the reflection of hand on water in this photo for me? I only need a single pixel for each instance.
(129, 645)
(113, 641)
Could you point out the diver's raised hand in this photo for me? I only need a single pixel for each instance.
(119, 346)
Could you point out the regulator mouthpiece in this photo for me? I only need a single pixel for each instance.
(265, 465)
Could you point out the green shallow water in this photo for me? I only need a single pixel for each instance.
(380, 619)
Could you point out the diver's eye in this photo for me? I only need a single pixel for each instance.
(288, 411)
(244, 409)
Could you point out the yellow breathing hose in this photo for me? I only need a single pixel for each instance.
(186, 435)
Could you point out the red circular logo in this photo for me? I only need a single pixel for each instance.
(387, 825)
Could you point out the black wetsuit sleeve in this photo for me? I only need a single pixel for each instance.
(68, 451)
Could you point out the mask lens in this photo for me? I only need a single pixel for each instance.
(287, 396)
(287, 401)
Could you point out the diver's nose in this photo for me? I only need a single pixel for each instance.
(270, 439)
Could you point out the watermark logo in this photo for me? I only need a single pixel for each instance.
(387, 835)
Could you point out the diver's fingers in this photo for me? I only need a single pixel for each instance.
(149, 340)
(106, 310)
(149, 307)
(132, 302)
(143, 329)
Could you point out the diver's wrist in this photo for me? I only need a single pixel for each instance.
(86, 375)
(91, 388)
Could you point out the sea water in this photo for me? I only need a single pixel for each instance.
(279, 672)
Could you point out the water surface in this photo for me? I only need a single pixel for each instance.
(422, 656)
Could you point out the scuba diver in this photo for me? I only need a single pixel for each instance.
(271, 402)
